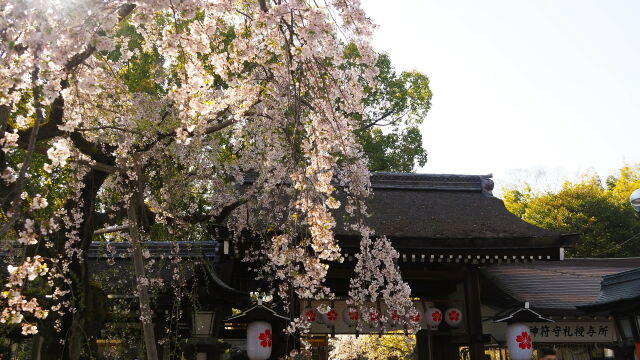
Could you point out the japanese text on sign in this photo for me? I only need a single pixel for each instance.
(603, 331)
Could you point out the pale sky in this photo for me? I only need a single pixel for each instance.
(521, 84)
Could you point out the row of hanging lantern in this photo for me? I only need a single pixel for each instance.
(260, 331)
(432, 317)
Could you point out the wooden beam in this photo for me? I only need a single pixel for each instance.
(111, 229)
(407, 274)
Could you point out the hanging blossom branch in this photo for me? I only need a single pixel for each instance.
(378, 278)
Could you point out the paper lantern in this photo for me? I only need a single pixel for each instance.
(453, 317)
(433, 317)
(350, 316)
(394, 317)
(310, 314)
(415, 317)
(519, 343)
(259, 340)
(374, 317)
(330, 317)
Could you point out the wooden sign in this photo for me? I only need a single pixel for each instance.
(570, 331)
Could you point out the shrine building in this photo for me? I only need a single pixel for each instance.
(461, 251)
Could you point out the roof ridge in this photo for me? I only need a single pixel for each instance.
(424, 181)
(623, 276)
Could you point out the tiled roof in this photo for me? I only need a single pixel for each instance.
(443, 211)
(446, 208)
(558, 284)
(619, 287)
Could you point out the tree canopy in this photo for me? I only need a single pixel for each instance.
(389, 130)
(598, 210)
(182, 119)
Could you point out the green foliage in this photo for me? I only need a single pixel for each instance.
(51, 186)
(400, 150)
(389, 133)
(600, 213)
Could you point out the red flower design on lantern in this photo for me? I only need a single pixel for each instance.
(265, 338)
(332, 315)
(353, 315)
(310, 315)
(395, 316)
(524, 340)
(415, 317)
(374, 316)
(437, 316)
(454, 315)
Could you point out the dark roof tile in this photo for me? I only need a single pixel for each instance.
(619, 287)
(427, 206)
(558, 284)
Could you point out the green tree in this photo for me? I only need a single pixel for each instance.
(389, 132)
(601, 213)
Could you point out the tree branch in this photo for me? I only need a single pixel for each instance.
(14, 195)
(91, 149)
(95, 165)
(79, 58)
(377, 120)
(263, 5)
(109, 127)
(218, 127)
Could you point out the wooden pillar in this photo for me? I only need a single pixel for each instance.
(280, 341)
(474, 312)
(422, 345)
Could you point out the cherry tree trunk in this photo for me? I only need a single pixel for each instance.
(138, 264)
(143, 293)
(79, 330)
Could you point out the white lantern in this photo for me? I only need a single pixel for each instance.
(350, 315)
(259, 340)
(433, 317)
(374, 317)
(310, 315)
(519, 343)
(453, 317)
(394, 317)
(415, 317)
(330, 317)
